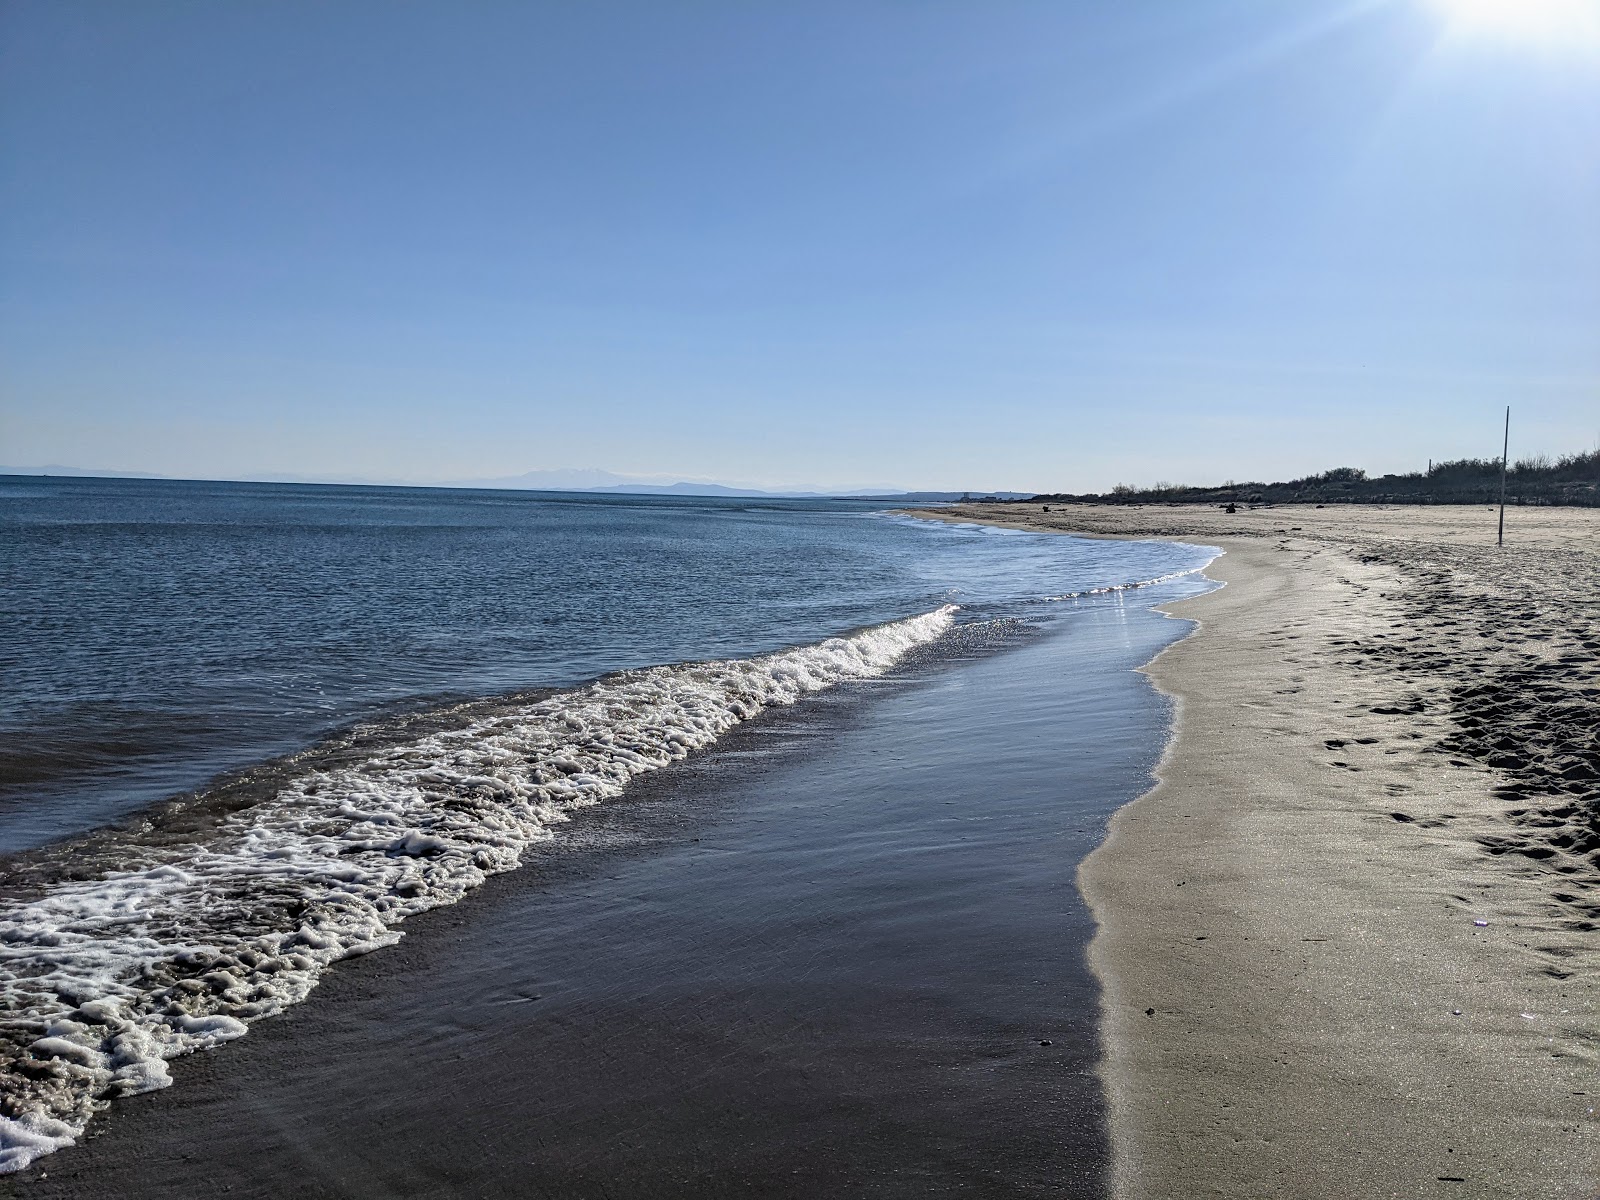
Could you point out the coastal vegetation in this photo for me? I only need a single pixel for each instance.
(1571, 479)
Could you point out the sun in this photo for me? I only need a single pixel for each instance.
(1530, 20)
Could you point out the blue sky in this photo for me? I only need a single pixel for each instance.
(1020, 245)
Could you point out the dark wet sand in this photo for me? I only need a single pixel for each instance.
(824, 960)
(1348, 944)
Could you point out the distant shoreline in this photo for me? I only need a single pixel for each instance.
(1571, 480)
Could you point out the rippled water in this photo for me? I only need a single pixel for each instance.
(155, 633)
(158, 631)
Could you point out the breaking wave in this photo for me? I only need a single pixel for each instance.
(105, 978)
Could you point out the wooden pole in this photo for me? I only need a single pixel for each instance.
(1505, 452)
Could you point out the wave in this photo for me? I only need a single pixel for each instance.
(1123, 587)
(105, 979)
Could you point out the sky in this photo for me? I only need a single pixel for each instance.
(996, 244)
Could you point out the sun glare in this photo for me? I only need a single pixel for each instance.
(1551, 21)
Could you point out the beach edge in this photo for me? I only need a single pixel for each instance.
(1299, 996)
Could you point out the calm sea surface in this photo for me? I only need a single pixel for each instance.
(155, 633)
(246, 731)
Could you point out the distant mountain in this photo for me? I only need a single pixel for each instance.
(606, 481)
(594, 480)
(696, 489)
(78, 472)
(684, 488)
(934, 497)
(583, 479)
(567, 479)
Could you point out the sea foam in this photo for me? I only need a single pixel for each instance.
(1125, 587)
(107, 978)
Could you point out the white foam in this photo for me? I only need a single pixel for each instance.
(1125, 587)
(105, 979)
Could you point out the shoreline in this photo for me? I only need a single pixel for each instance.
(842, 953)
(1298, 996)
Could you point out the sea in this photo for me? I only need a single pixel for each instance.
(247, 730)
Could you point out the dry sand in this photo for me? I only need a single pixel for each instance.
(1347, 944)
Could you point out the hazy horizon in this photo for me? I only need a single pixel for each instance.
(1034, 247)
(561, 479)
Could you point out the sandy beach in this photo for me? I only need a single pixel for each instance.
(1347, 944)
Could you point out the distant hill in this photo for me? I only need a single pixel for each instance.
(574, 480)
(1571, 479)
(605, 481)
(936, 497)
(78, 472)
(697, 489)
(567, 479)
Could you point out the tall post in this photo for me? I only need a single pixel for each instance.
(1505, 452)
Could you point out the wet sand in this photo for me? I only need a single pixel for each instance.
(1348, 943)
(841, 955)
